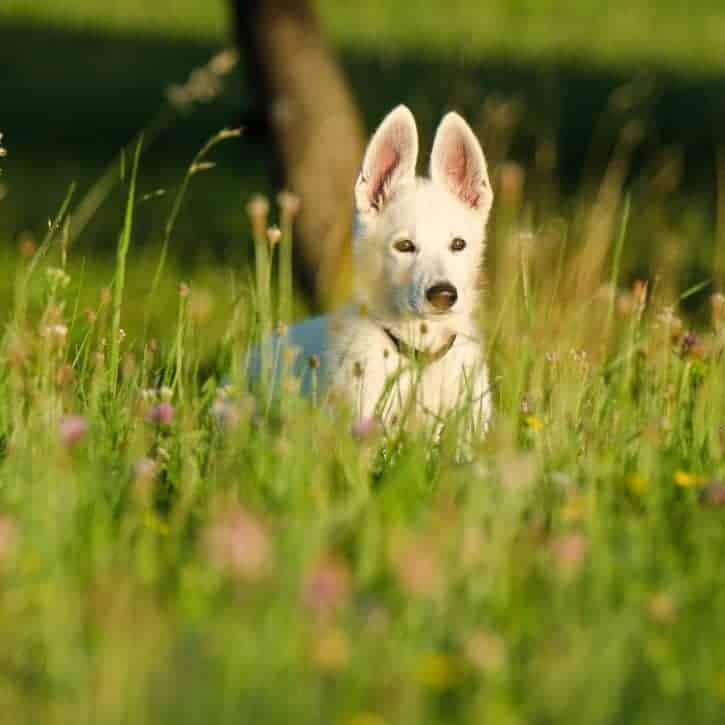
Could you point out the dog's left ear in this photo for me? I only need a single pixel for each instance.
(457, 162)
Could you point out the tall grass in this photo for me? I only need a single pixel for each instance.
(182, 551)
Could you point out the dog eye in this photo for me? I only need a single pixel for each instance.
(458, 245)
(404, 245)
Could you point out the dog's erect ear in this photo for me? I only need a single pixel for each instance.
(389, 161)
(457, 162)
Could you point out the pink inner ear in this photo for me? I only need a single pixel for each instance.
(386, 162)
(456, 169)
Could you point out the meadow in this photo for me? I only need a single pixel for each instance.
(176, 546)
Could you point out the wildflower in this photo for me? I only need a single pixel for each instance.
(416, 566)
(72, 430)
(162, 414)
(237, 541)
(438, 671)
(533, 423)
(569, 551)
(326, 586)
(691, 346)
(184, 290)
(687, 480)
(8, 538)
(331, 650)
(661, 608)
(486, 651)
(365, 429)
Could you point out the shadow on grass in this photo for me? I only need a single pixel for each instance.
(71, 99)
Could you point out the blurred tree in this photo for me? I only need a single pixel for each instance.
(301, 93)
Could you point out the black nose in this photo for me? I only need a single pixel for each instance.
(442, 296)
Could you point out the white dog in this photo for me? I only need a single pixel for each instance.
(409, 347)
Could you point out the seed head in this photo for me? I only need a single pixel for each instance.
(258, 210)
(273, 236)
(289, 206)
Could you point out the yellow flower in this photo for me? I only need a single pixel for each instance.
(534, 423)
(437, 671)
(637, 484)
(687, 480)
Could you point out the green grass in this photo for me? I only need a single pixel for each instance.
(225, 561)
(174, 550)
(667, 33)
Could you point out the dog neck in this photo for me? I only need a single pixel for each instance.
(422, 356)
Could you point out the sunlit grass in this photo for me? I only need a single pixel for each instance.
(176, 548)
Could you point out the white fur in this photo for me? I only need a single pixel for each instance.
(362, 363)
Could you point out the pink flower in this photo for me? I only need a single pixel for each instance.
(238, 542)
(162, 414)
(73, 429)
(326, 586)
(365, 429)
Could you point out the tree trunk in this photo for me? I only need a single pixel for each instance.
(316, 128)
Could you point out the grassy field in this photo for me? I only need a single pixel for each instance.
(176, 548)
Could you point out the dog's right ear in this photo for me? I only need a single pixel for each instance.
(389, 162)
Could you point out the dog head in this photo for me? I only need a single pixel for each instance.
(419, 243)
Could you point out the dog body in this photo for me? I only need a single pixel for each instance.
(409, 345)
